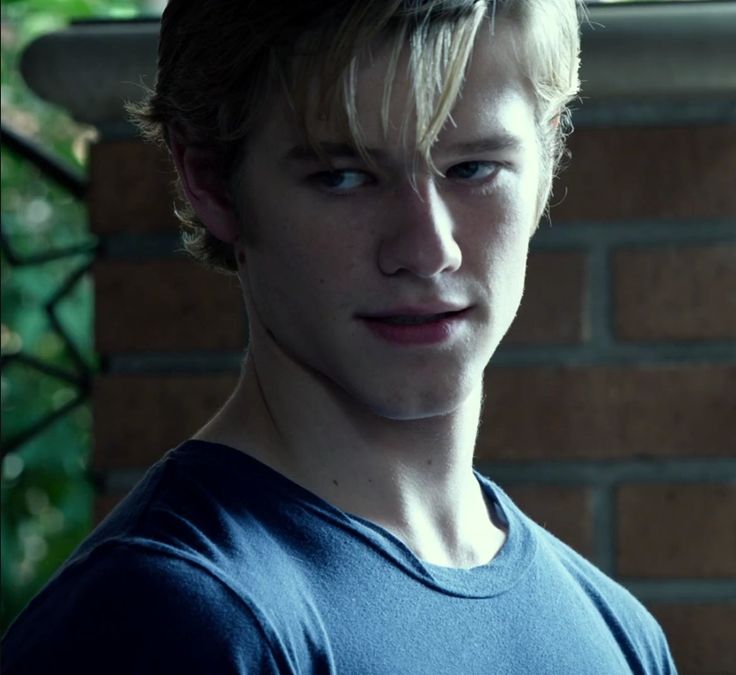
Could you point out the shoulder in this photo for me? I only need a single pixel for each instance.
(569, 576)
(125, 608)
(198, 569)
(635, 629)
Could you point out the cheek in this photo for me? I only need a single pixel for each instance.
(498, 255)
(301, 261)
(502, 226)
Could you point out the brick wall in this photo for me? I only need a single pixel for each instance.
(610, 406)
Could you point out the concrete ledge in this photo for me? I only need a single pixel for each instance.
(666, 50)
(91, 69)
(639, 61)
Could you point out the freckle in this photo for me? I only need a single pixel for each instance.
(321, 280)
(335, 482)
(429, 462)
(370, 480)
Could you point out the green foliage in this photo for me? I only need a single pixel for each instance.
(45, 492)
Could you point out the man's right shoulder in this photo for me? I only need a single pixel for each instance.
(126, 607)
(198, 548)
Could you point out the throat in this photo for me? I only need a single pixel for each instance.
(480, 548)
(469, 537)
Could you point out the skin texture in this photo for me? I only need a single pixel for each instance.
(382, 430)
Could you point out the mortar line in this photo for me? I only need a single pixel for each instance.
(685, 590)
(611, 472)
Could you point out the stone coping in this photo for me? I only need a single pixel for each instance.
(639, 61)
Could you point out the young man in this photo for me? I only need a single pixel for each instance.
(373, 171)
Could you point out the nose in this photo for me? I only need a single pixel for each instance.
(420, 238)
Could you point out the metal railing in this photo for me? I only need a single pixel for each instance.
(80, 376)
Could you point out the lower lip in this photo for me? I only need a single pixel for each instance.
(428, 333)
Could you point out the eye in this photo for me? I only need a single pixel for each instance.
(341, 180)
(473, 171)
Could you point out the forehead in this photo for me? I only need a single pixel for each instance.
(495, 100)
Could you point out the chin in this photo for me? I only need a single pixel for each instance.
(421, 405)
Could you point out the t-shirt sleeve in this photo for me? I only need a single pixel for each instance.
(666, 663)
(129, 610)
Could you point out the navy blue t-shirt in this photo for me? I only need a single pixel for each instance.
(216, 563)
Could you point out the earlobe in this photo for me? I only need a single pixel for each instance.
(204, 187)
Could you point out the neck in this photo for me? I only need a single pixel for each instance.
(412, 477)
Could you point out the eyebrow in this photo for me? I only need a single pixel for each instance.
(332, 150)
(490, 144)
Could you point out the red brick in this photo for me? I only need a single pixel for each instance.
(138, 418)
(608, 412)
(677, 530)
(679, 293)
(552, 311)
(629, 173)
(131, 188)
(701, 636)
(564, 511)
(166, 305)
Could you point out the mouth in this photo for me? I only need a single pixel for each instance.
(412, 327)
(413, 319)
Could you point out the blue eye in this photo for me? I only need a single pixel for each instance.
(476, 171)
(342, 181)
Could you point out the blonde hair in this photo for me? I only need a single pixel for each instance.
(218, 60)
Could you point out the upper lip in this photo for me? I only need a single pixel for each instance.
(428, 309)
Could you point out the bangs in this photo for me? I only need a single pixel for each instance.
(435, 45)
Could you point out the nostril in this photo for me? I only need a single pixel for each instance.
(423, 258)
(421, 252)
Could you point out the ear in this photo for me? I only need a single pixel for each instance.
(204, 187)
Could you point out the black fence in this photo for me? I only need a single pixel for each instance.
(80, 376)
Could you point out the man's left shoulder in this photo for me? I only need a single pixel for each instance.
(633, 625)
